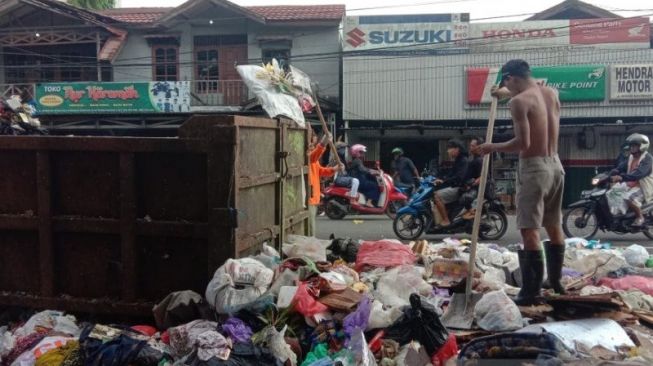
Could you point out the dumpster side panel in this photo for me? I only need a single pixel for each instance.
(113, 224)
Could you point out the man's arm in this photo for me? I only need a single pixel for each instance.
(522, 139)
(413, 168)
(643, 170)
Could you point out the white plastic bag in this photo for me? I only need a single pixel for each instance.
(44, 320)
(28, 358)
(274, 102)
(616, 200)
(380, 317)
(603, 261)
(276, 343)
(269, 257)
(396, 285)
(636, 255)
(7, 342)
(496, 312)
(358, 346)
(304, 246)
(222, 292)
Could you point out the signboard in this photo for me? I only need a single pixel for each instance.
(631, 82)
(519, 35)
(116, 98)
(574, 83)
(601, 31)
(363, 33)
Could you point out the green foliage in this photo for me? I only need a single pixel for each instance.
(93, 4)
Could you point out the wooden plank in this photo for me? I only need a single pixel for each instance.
(72, 304)
(44, 197)
(98, 144)
(172, 228)
(71, 224)
(249, 240)
(248, 182)
(127, 226)
(18, 222)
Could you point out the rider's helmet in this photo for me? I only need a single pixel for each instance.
(397, 151)
(638, 139)
(358, 150)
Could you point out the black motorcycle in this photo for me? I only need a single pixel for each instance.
(584, 218)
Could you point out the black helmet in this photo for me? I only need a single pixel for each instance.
(456, 143)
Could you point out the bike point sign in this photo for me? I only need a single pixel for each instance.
(575, 83)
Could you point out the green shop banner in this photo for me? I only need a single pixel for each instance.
(113, 98)
(577, 83)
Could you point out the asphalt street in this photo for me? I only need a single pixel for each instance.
(380, 227)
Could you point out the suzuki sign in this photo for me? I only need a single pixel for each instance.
(405, 32)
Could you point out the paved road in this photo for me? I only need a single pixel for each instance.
(380, 227)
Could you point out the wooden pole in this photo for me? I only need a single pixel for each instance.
(325, 128)
(479, 205)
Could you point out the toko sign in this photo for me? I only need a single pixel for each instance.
(404, 31)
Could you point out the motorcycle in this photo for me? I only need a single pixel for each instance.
(416, 218)
(584, 218)
(338, 205)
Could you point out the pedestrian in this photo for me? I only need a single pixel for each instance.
(317, 171)
(405, 172)
(535, 111)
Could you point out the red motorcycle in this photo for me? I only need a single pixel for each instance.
(337, 202)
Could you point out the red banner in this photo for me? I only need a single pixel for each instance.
(596, 31)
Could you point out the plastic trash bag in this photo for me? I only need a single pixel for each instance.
(285, 278)
(305, 303)
(269, 257)
(318, 353)
(179, 308)
(7, 341)
(276, 343)
(382, 317)
(47, 344)
(396, 285)
(45, 320)
(588, 261)
(273, 101)
(448, 351)
(303, 246)
(237, 330)
(238, 283)
(419, 322)
(636, 255)
(358, 346)
(615, 196)
(359, 318)
(497, 312)
(644, 284)
(183, 337)
(384, 253)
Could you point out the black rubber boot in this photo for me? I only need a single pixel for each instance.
(531, 263)
(555, 257)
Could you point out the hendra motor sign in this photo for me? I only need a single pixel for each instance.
(576, 83)
(631, 82)
(404, 31)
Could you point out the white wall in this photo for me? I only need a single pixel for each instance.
(136, 51)
(322, 70)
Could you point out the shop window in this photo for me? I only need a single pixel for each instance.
(207, 70)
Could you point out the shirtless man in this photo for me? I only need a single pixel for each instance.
(535, 111)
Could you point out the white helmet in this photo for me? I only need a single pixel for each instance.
(639, 139)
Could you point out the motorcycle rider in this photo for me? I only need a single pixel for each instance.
(624, 154)
(368, 185)
(473, 178)
(405, 172)
(449, 186)
(637, 172)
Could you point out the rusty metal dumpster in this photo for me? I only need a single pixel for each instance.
(113, 224)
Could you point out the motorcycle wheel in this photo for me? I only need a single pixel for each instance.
(393, 207)
(579, 223)
(408, 227)
(333, 211)
(649, 233)
(494, 225)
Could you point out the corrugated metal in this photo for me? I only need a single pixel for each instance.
(425, 88)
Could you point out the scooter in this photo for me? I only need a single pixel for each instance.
(584, 218)
(338, 205)
(416, 218)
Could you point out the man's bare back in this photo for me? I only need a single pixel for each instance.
(536, 111)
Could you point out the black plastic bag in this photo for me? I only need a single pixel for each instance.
(419, 322)
(346, 248)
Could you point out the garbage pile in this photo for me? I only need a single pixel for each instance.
(18, 117)
(341, 302)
